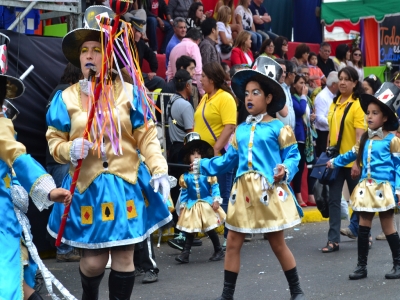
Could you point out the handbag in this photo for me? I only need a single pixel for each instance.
(225, 48)
(321, 195)
(327, 175)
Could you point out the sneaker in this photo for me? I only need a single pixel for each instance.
(248, 237)
(108, 265)
(150, 277)
(72, 256)
(224, 245)
(138, 272)
(381, 237)
(347, 232)
(177, 242)
(219, 255)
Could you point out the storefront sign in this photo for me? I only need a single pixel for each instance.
(389, 31)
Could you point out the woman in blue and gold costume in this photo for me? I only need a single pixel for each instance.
(200, 200)
(108, 211)
(266, 156)
(16, 282)
(378, 151)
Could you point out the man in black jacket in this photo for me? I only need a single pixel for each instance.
(151, 80)
(158, 15)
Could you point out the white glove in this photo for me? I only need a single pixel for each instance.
(79, 150)
(162, 184)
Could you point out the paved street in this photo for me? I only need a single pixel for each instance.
(323, 276)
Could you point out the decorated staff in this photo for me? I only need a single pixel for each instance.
(98, 125)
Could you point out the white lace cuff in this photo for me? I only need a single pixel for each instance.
(332, 160)
(218, 199)
(196, 166)
(286, 177)
(171, 179)
(40, 191)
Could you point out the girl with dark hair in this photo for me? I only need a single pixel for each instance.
(200, 200)
(305, 134)
(354, 126)
(356, 62)
(341, 57)
(215, 120)
(261, 200)
(371, 84)
(281, 47)
(195, 16)
(316, 74)
(378, 154)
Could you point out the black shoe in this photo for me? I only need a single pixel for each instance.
(219, 255)
(227, 292)
(298, 297)
(394, 273)
(139, 272)
(72, 256)
(177, 242)
(359, 273)
(197, 242)
(183, 257)
(150, 277)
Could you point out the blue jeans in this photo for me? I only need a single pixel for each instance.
(256, 41)
(225, 185)
(152, 24)
(354, 220)
(58, 172)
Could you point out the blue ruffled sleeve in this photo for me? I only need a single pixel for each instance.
(343, 160)
(395, 151)
(220, 164)
(57, 116)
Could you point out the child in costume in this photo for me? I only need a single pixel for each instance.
(266, 156)
(378, 153)
(15, 283)
(199, 200)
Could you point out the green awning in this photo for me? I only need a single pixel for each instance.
(354, 10)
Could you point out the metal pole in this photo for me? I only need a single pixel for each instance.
(163, 125)
(22, 15)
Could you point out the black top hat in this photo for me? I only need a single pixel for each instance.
(264, 70)
(193, 140)
(73, 40)
(388, 99)
(136, 22)
(14, 86)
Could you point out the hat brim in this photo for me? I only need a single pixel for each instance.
(204, 147)
(242, 77)
(392, 123)
(73, 40)
(19, 85)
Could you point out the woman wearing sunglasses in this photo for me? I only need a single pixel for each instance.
(356, 62)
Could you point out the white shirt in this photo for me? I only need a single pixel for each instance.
(247, 16)
(228, 33)
(322, 103)
(290, 119)
(360, 71)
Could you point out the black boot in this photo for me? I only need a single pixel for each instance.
(218, 254)
(184, 256)
(363, 248)
(294, 285)
(121, 284)
(35, 296)
(229, 285)
(90, 286)
(394, 243)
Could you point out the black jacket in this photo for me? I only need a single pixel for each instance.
(163, 9)
(145, 52)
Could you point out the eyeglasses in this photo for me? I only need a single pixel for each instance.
(357, 54)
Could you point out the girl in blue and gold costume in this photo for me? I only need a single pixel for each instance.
(266, 156)
(16, 282)
(199, 200)
(108, 212)
(378, 153)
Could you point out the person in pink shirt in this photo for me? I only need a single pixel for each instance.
(190, 47)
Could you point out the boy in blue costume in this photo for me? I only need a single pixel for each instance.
(266, 156)
(378, 155)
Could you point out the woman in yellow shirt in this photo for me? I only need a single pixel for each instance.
(350, 89)
(215, 120)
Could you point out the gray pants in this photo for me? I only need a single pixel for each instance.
(335, 196)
